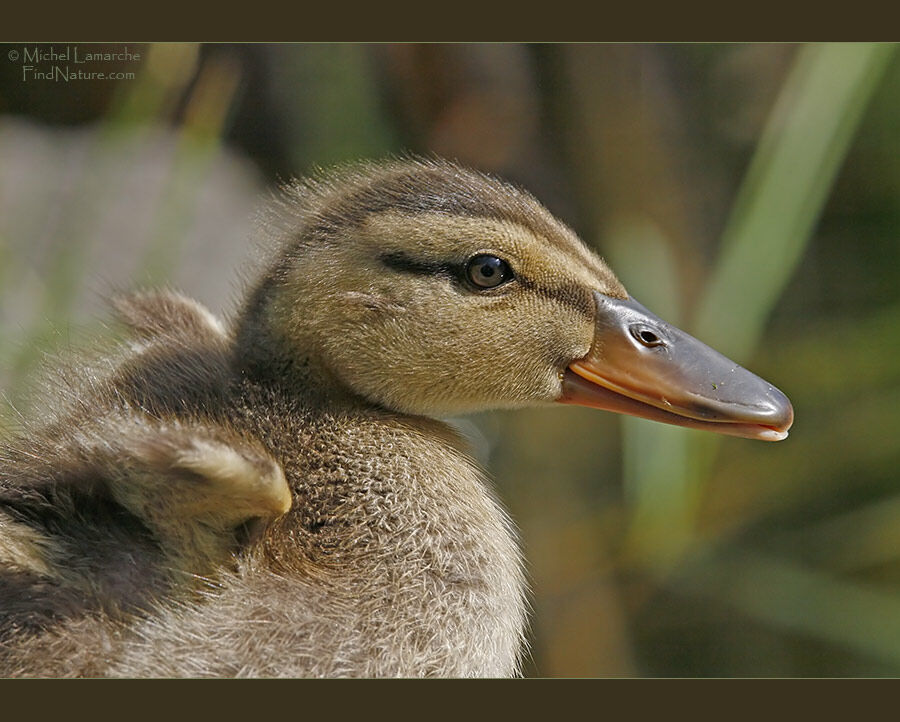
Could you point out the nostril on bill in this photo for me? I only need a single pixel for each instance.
(646, 336)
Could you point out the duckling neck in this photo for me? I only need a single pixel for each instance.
(395, 518)
(261, 354)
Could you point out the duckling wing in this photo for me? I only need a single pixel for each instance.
(123, 512)
(190, 483)
(180, 478)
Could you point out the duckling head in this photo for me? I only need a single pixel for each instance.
(430, 289)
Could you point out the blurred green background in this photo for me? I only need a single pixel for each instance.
(749, 193)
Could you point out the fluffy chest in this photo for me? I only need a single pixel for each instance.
(395, 520)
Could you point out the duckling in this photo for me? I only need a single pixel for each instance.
(276, 496)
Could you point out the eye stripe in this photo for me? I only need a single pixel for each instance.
(400, 261)
(462, 273)
(568, 296)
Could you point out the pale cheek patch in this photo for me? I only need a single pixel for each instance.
(361, 302)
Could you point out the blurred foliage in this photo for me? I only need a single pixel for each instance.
(750, 193)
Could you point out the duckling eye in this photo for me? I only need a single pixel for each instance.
(486, 271)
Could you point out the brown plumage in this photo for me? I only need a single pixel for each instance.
(274, 497)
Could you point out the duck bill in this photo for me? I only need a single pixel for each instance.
(642, 366)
